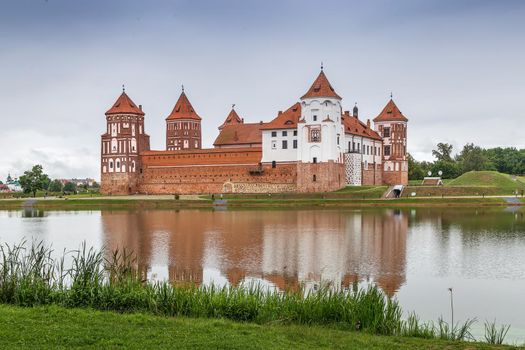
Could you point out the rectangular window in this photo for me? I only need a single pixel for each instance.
(285, 133)
(386, 132)
(274, 133)
(294, 143)
(353, 146)
(285, 144)
(295, 133)
(387, 151)
(337, 139)
(315, 118)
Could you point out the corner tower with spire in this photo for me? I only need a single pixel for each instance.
(121, 145)
(391, 124)
(183, 126)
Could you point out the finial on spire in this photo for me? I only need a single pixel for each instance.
(233, 105)
(123, 88)
(321, 65)
(182, 87)
(391, 95)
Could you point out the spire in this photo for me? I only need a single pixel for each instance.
(390, 113)
(124, 105)
(232, 118)
(183, 109)
(321, 88)
(355, 111)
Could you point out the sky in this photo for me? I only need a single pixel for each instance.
(455, 68)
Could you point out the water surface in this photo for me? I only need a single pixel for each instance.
(412, 254)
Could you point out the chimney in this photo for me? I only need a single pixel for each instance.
(347, 113)
(140, 107)
(260, 122)
(280, 112)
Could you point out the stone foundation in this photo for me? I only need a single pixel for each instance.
(373, 176)
(119, 183)
(320, 177)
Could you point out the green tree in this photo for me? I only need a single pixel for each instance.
(70, 187)
(415, 170)
(473, 158)
(34, 180)
(55, 186)
(443, 152)
(450, 169)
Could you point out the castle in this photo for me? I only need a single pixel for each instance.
(313, 146)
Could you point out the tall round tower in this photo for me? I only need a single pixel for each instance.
(121, 145)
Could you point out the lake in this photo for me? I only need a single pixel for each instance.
(414, 255)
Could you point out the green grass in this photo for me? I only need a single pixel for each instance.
(53, 327)
(367, 191)
(31, 277)
(492, 180)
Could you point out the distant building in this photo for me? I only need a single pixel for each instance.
(79, 182)
(11, 185)
(313, 146)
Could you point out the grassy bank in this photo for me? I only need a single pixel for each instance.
(246, 202)
(473, 183)
(52, 327)
(30, 277)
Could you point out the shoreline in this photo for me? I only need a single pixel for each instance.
(194, 202)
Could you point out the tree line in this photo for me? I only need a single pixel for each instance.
(35, 180)
(507, 160)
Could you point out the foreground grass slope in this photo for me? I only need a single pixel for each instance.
(53, 327)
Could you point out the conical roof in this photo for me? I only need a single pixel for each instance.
(321, 88)
(390, 113)
(232, 119)
(124, 105)
(183, 109)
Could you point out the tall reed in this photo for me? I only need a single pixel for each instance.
(31, 276)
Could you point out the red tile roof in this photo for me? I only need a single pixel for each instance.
(124, 105)
(240, 134)
(183, 109)
(321, 88)
(354, 126)
(390, 113)
(287, 119)
(232, 119)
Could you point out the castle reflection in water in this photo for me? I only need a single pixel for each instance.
(280, 248)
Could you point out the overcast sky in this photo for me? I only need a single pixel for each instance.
(456, 68)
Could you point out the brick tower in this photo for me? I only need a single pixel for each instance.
(121, 145)
(391, 124)
(183, 126)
